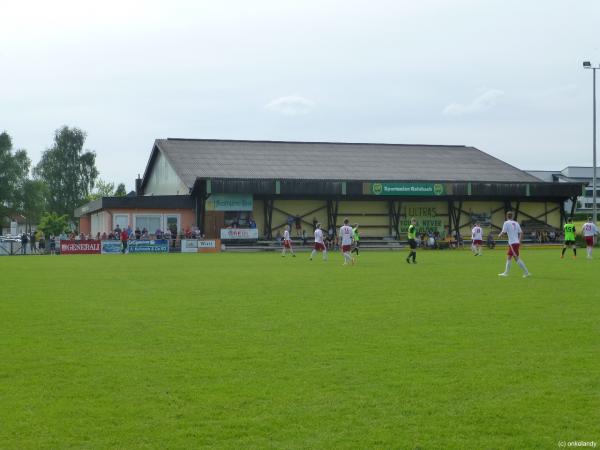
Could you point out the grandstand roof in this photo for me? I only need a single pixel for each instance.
(194, 159)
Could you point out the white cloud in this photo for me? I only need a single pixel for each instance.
(291, 105)
(484, 102)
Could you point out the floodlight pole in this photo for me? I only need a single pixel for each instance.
(588, 65)
(595, 213)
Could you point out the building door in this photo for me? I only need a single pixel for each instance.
(172, 223)
(213, 222)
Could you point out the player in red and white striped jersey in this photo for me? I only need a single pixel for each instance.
(589, 230)
(319, 244)
(476, 239)
(513, 230)
(287, 242)
(345, 237)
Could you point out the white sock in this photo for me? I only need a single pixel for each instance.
(312, 254)
(480, 250)
(508, 263)
(522, 265)
(324, 255)
(283, 252)
(347, 257)
(473, 249)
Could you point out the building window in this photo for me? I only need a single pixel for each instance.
(120, 220)
(151, 222)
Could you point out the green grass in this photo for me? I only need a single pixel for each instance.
(257, 351)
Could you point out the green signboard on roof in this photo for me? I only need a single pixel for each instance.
(404, 189)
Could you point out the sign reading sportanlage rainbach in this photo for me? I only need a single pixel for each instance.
(229, 202)
(404, 189)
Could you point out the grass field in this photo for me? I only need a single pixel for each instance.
(257, 351)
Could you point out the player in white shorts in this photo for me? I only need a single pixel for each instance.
(476, 239)
(287, 242)
(513, 230)
(589, 231)
(319, 244)
(345, 238)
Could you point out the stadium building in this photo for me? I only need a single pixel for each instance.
(237, 189)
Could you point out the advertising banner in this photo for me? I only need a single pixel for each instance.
(79, 247)
(229, 202)
(149, 246)
(111, 247)
(189, 246)
(239, 233)
(209, 246)
(404, 189)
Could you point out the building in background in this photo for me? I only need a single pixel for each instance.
(574, 174)
(235, 189)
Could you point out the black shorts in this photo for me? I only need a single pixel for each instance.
(569, 242)
(412, 243)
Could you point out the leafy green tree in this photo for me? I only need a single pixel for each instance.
(120, 192)
(102, 189)
(32, 204)
(14, 168)
(69, 172)
(54, 224)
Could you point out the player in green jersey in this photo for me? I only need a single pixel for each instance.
(412, 241)
(356, 237)
(569, 229)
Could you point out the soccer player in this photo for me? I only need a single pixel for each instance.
(569, 229)
(287, 242)
(356, 238)
(319, 244)
(589, 231)
(476, 239)
(412, 241)
(513, 230)
(345, 241)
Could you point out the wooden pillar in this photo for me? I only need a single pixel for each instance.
(265, 219)
(391, 211)
(450, 216)
(201, 212)
(573, 205)
(270, 203)
(397, 214)
(336, 205)
(458, 214)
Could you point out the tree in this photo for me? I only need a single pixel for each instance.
(32, 202)
(13, 172)
(103, 189)
(69, 171)
(54, 224)
(120, 192)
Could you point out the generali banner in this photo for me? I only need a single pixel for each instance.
(79, 247)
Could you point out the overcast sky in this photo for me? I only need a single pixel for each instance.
(505, 76)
